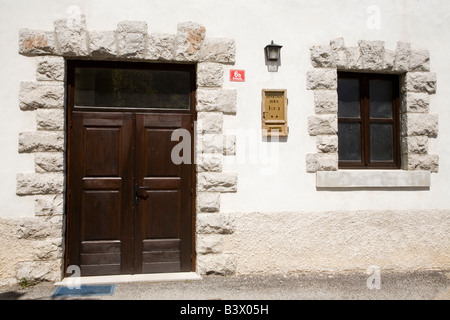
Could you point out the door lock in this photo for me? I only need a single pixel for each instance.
(138, 194)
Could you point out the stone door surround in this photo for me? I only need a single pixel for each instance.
(45, 97)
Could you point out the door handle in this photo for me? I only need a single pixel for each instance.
(138, 195)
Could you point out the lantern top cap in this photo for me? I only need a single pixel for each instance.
(274, 45)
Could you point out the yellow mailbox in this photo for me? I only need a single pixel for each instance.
(274, 112)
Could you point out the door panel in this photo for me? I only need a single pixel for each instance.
(129, 207)
(101, 149)
(101, 171)
(164, 220)
(114, 232)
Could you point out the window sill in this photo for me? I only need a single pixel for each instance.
(373, 179)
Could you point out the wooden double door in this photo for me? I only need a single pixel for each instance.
(129, 205)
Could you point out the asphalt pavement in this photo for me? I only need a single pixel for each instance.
(417, 285)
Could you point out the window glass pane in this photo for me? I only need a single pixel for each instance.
(348, 96)
(132, 88)
(381, 142)
(349, 141)
(380, 98)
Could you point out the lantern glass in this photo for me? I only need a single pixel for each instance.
(273, 53)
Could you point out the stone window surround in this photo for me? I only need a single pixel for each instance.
(131, 41)
(417, 124)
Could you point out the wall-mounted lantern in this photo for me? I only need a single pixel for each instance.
(273, 56)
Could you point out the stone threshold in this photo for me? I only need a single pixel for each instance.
(153, 277)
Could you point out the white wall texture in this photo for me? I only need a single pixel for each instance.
(281, 221)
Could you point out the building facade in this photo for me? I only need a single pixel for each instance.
(160, 136)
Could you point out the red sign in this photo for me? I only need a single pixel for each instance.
(237, 75)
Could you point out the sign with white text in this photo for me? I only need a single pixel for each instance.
(237, 75)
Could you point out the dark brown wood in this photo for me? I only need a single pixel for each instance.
(162, 183)
(100, 171)
(365, 121)
(166, 212)
(101, 246)
(109, 151)
(161, 267)
(161, 256)
(160, 244)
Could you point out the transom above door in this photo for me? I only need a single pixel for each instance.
(129, 205)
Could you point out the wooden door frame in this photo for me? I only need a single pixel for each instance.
(69, 107)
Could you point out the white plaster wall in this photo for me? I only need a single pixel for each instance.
(267, 185)
(297, 25)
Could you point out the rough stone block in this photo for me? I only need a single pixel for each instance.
(322, 57)
(39, 270)
(215, 223)
(161, 46)
(421, 82)
(327, 144)
(208, 202)
(311, 162)
(229, 145)
(210, 143)
(414, 144)
(209, 122)
(50, 68)
(209, 162)
(39, 228)
(209, 243)
(37, 42)
(34, 228)
(217, 181)
(321, 162)
(218, 50)
(389, 60)
(49, 162)
(209, 74)
(48, 205)
(103, 44)
(402, 53)
(72, 36)
(413, 102)
(372, 54)
(50, 119)
(322, 124)
(321, 78)
(132, 39)
(39, 183)
(189, 40)
(220, 264)
(354, 58)
(35, 95)
(340, 53)
(427, 162)
(222, 100)
(419, 60)
(41, 141)
(325, 101)
(417, 124)
(327, 161)
(48, 249)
